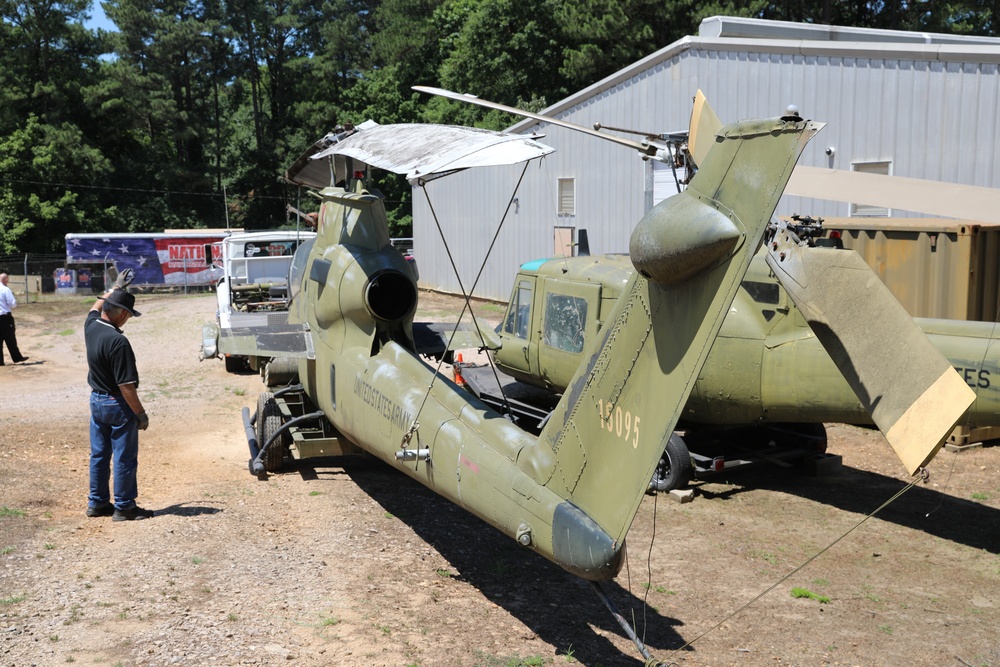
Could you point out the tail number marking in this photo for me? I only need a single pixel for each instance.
(621, 423)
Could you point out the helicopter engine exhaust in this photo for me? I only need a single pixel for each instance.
(390, 296)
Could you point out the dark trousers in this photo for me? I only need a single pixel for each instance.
(8, 336)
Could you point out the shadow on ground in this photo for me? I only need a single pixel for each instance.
(561, 609)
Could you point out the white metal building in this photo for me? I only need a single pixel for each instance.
(908, 104)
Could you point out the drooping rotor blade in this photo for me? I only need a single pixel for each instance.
(911, 391)
(951, 200)
(703, 128)
(418, 151)
(646, 149)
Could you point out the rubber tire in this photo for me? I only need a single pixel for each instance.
(269, 421)
(674, 470)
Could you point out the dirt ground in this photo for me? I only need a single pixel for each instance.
(339, 563)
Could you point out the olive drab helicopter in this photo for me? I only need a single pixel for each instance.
(571, 492)
(767, 374)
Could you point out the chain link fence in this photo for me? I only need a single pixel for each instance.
(33, 275)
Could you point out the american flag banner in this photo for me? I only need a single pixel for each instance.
(157, 259)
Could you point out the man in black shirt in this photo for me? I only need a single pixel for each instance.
(116, 413)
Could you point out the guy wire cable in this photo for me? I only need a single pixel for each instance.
(465, 295)
(921, 477)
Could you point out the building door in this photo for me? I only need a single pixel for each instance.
(563, 242)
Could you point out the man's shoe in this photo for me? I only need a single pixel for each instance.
(17, 361)
(131, 514)
(103, 510)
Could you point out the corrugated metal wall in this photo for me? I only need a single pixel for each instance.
(929, 109)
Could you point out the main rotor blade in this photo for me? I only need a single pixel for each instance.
(703, 128)
(951, 200)
(911, 391)
(645, 149)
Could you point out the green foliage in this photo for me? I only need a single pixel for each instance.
(805, 593)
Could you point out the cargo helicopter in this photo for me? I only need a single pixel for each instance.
(571, 492)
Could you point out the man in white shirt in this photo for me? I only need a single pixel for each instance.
(7, 332)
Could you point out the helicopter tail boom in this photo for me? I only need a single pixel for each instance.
(608, 432)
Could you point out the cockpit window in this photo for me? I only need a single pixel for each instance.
(519, 313)
(565, 320)
(298, 267)
(761, 292)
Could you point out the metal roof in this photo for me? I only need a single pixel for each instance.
(779, 37)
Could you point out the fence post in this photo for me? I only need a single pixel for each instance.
(27, 299)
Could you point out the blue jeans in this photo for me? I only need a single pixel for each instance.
(114, 439)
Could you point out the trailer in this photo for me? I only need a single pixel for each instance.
(167, 259)
(689, 454)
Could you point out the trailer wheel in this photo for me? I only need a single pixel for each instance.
(234, 364)
(269, 421)
(674, 470)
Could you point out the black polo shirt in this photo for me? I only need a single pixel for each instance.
(109, 355)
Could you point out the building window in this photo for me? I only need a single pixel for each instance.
(567, 197)
(867, 210)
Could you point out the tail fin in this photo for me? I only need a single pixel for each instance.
(601, 445)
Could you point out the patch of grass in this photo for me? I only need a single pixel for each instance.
(240, 391)
(7, 550)
(197, 560)
(887, 629)
(821, 582)
(804, 593)
(50, 547)
(488, 660)
(441, 572)
(10, 511)
(232, 617)
(315, 493)
(328, 621)
(12, 600)
(53, 638)
(763, 555)
(65, 332)
(388, 515)
(980, 496)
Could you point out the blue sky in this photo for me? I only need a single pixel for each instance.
(98, 19)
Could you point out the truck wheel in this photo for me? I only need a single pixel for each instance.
(269, 421)
(674, 470)
(234, 364)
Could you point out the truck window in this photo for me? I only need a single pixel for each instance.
(519, 312)
(565, 320)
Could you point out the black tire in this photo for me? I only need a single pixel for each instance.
(269, 421)
(674, 470)
(807, 436)
(234, 364)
